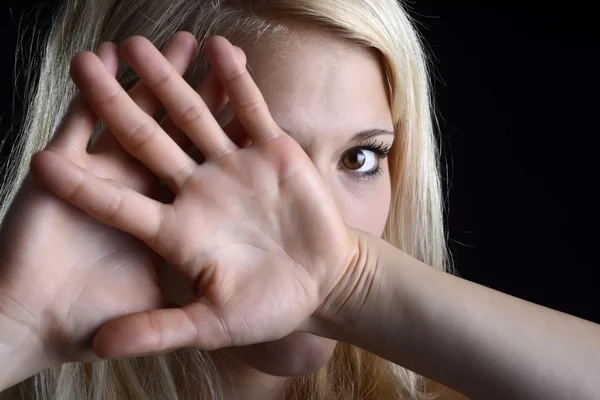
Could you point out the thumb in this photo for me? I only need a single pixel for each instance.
(159, 331)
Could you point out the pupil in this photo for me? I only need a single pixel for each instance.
(355, 160)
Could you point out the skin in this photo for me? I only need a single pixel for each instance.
(338, 99)
(302, 181)
(273, 230)
(46, 293)
(343, 99)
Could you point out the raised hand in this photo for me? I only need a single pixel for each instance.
(253, 229)
(64, 274)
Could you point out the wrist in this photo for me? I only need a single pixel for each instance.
(357, 291)
(21, 354)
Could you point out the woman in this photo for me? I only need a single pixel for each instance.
(259, 254)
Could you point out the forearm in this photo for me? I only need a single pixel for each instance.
(483, 343)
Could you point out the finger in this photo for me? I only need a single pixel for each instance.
(80, 121)
(187, 109)
(158, 331)
(179, 52)
(236, 133)
(107, 201)
(213, 94)
(135, 130)
(214, 97)
(248, 103)
(109, 54)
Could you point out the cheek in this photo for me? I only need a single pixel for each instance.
(365, 205)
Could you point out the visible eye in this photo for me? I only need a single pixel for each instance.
(360, 160)
(364, 161)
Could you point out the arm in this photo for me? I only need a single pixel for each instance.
(485, 344)
(479, 341)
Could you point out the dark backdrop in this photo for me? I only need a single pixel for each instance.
(516, 86)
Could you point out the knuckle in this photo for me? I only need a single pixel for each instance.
(157, 331)
(142, 133)
(192, 114)
(113, 208)
(234, 75)
(75, 196)
(108, 99)
(164, 78)
(183, 175)
(251, 106)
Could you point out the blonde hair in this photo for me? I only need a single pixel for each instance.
(415, 223)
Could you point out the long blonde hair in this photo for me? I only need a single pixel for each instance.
(415, 223)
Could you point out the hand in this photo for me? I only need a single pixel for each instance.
(255, 232)
(64, 274)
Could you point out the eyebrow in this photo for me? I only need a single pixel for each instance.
(360, 136)
(370, 133)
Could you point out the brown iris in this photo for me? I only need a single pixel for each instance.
(354, 159)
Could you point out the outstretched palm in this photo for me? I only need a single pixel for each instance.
(65, 274)
(253, 229)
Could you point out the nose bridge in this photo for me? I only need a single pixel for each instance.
(327, 167)
(320, 158)
(319, 144)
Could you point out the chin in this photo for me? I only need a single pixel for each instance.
(297, 354)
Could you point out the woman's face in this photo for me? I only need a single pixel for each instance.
(331, 97)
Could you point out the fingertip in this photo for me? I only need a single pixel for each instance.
(82, 66)
(215, 39)
(78, 60)
(106, 343)
(107, 47)
(131, 43)
(214, 44)
(185, 37)
(108, 53)
(180, 51)
(241, 55)
(138, 50)
(99, 349)
(36, 164)
(56, 173)
(127, 336)
(41, 167)
(219, 49)
(132, 39)
(125, 45)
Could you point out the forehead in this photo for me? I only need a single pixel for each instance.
(316, 84)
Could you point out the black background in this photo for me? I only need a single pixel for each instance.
(516, 86)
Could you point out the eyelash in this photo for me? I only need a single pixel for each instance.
(382, 151)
